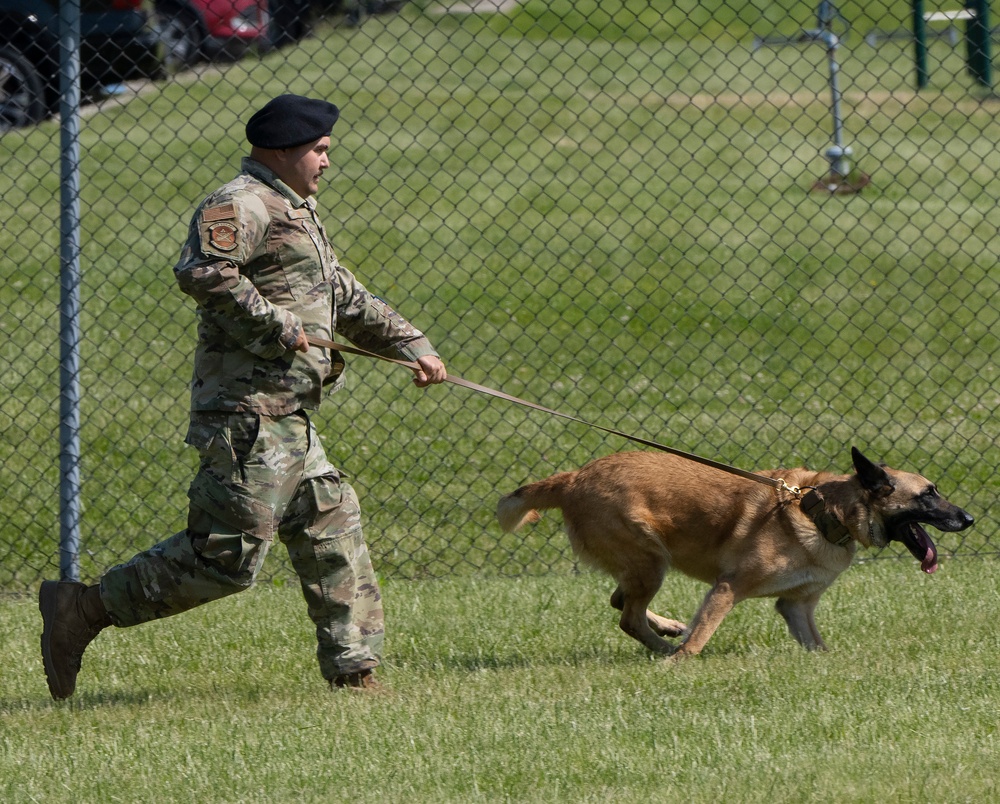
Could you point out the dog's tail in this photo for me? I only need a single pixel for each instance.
(522, 506)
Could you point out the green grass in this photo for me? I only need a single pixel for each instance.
(525, 690)
(612, 224)
(602, 207)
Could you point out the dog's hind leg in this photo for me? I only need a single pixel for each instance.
(798, 615)
(635, 591)
(660, 625)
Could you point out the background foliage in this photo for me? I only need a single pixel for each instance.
(607, 208)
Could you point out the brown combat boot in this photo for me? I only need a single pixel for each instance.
(362, 680)
(72, 615)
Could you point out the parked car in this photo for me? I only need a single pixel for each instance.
(117, 43)
(196, 30)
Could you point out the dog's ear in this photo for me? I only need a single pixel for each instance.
(874, 479)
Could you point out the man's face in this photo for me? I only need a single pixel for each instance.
(302, 166)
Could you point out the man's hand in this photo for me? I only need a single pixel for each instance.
(431, 371)
(302, 344)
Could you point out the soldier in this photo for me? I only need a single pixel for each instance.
(263, 273)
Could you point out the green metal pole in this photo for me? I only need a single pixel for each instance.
(920, 43)
(977, 42)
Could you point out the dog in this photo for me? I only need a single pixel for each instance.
(635, 515)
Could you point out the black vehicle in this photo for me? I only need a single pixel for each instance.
(117, 43)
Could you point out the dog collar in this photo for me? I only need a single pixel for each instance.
(833, 529)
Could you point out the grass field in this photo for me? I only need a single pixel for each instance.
(603, 207)
(524, 690)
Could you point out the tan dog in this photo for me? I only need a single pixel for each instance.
(634, 515)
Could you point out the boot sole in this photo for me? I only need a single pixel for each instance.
(47, 600)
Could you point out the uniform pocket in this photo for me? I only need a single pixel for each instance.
(231, 507)
(213, 435)
(203, 428)
(242, 431)
(300, 250)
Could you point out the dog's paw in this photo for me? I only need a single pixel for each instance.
(666, 627)
(678, 654)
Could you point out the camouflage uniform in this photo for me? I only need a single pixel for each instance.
(260, 266)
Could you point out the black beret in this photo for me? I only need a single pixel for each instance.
(291, 120)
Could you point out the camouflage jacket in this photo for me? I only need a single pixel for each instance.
(260, 266)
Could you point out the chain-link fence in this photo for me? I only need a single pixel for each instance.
(759, 231)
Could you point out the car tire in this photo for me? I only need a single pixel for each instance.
(180, 32)
(22, 92)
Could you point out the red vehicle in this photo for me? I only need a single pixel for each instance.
(199, 30)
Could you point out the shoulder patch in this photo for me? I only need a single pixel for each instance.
(222, 236)
(220, 213)
(221, 230)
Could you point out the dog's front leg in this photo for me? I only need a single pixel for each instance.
(798, 615)
(717, 604)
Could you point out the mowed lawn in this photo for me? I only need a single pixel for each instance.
(525, 690)
(620, 227)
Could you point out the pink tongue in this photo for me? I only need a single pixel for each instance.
(929, 564)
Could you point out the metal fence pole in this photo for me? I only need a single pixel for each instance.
(920, 43)
(69, 298)
(977, 42)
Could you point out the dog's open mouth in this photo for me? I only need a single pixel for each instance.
(919, 543)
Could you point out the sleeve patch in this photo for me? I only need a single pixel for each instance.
(220, 213)
(221, 231)
(222, 236)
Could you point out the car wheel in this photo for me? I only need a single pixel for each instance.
(180, 33)
(22, 94)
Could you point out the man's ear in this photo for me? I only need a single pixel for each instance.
(874, 479)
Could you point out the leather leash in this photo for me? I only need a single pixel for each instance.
(777, 483)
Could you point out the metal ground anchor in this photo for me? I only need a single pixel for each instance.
(840, 179)
(840, 164)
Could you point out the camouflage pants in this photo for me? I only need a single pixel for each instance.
(262, 476)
